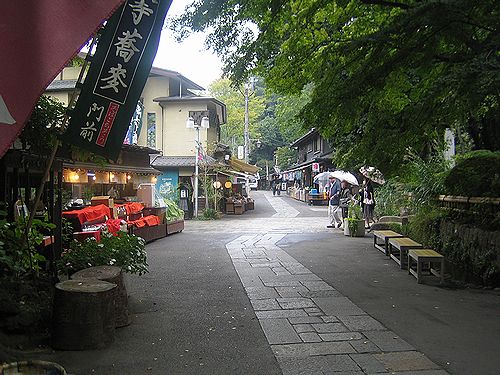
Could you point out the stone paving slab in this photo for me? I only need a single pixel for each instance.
(276, 314)
(361, 323)
(291, 291)
(364, 346)
(264, 304)
(329, 327)
(330, 319)
(295, 303)
(312, 365)
(282, 278)
(279, 331)
(301, 328)
(341, 336)
(312, 349)
(320, 293)
(424, 372)
(368, 363)
(290, 283)
(388, 341)
(311, 327)
(305, 319)
(316, 286)
(261, 292)
(310, 337)
(406, 361)
(338, 306)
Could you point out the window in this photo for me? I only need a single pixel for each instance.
(317, 144)
(310, 146)
(151, 136)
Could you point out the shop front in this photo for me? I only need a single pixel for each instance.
(120, 196)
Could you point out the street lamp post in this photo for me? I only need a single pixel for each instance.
(204, 124)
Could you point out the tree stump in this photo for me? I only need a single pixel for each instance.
(111, 274)
(83, 315)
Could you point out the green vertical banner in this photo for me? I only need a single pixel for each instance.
(117, 75)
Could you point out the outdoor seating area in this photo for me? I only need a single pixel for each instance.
(410, 255)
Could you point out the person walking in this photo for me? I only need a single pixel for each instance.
(367, 201)
(333, 190)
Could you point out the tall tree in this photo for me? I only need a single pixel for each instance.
(387, 74)
(233, 97)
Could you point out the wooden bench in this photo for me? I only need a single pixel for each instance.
(398, 249)
(424, 259)
(384, 235)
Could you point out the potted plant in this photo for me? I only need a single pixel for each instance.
(354, 224)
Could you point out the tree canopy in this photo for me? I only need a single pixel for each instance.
(233, 97)
(386, 75)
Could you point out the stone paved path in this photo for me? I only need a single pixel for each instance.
(282, 208)
(311, 327)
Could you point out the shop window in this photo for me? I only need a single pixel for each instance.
(151, 121)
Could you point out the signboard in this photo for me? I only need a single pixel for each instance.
(116, 78)
(166, 184)
(241, 151)
(315, 167)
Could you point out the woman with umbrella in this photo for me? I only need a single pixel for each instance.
(367, 195)
(345, 196)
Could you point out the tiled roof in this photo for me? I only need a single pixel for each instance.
(179, 161)
(60, 85)
(137, 148)
(303, 138)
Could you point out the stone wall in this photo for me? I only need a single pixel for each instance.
(472, 254)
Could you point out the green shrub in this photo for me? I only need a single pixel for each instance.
(390, 198)
(476, 154)
(209, 214)
(424, 227)
(421, 180)
(354, 215)
(476, 174)
(124, 250)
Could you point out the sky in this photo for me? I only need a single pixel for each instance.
(189, 57)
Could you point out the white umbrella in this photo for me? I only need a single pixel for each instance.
(345, 176)
(322, 178)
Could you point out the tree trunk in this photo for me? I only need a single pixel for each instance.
(113, 275)
(83, 315)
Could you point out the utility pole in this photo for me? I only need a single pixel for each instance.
(196, 170)
(246, 133)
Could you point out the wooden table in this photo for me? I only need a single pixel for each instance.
(425, 257)
(398, 249)
(384, 235)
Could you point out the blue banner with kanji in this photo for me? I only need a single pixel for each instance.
(117, 75)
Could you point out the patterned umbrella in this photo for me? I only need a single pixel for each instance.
(373, 174)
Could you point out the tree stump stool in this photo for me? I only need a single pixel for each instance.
(83, 315)
(111, 274)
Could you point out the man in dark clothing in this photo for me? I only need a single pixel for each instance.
(333, 189)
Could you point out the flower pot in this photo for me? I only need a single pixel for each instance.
(360, 230)
(32, 368)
